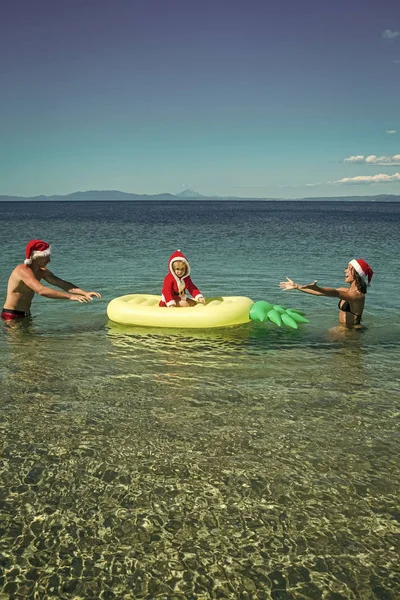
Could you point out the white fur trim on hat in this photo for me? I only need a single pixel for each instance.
(37, 254)
(366, 275)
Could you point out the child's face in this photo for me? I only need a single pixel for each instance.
(179, 268)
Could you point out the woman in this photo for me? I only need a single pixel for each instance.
(351, 300)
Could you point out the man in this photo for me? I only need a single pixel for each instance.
(25, 281)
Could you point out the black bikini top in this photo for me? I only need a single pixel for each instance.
(344, 305)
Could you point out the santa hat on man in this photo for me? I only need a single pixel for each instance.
(34, 249)
(363, 269)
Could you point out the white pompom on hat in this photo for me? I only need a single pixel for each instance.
(35, 249)
(363, 269)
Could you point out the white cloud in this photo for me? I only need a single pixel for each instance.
(390, 35)
(391, 131)
(372, 159)
(393, 160)
(355, 159)
(368, 179)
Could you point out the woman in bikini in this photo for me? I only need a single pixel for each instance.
(351, 300)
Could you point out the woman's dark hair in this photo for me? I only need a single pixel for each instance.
(360, 283)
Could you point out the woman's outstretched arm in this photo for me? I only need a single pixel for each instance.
(316, 290)
(310, 288)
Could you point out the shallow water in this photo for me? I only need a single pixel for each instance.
(246, 463)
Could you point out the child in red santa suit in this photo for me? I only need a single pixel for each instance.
(177, 282)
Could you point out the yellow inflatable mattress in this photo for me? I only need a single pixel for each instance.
(143, 309)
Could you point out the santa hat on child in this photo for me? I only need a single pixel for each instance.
(175, 256)
(34, 249)
(363, 269)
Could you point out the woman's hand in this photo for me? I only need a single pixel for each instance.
(309, 286)
(288, 285)
(291, 285)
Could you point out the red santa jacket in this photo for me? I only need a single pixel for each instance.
(174, 287)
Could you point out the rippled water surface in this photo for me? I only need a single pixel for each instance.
(249, 463)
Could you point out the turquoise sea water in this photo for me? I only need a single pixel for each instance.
(250, 463)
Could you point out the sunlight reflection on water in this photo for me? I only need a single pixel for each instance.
(248, 463)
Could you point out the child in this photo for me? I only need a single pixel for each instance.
(177, 281)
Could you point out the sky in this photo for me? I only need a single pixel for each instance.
(248, 98)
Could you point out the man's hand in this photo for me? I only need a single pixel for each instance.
(79, 298)
(201, 300)
(91, 295)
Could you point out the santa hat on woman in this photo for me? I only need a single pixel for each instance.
(363, 269)
(34, 249)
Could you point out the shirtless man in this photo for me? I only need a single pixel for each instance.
(25, 281)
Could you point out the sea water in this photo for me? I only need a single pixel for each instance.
(251, 462)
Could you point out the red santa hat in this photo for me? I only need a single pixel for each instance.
(34, 249)
(175, 256)
(363, 269)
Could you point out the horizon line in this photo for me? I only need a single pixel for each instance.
(180, 196)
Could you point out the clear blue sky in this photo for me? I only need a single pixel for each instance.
(283, 98)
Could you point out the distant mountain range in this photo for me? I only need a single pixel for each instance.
(189, 194)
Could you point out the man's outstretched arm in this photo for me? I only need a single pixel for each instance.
(67, 286)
